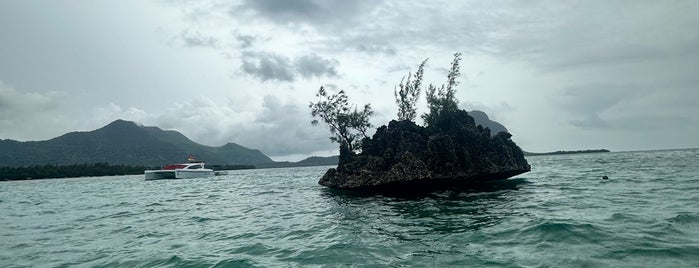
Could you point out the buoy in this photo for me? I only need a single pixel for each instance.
(605, 177)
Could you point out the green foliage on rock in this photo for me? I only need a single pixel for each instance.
(441, 101)
(347, 125)
(408, 92)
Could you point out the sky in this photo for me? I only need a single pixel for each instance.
(560, 75)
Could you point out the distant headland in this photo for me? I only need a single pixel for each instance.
(569, 152)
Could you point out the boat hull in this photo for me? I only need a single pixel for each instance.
(191, 174)
(160, 174)
(177, 174)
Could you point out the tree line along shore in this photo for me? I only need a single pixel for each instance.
(569, 152)
(48, 171)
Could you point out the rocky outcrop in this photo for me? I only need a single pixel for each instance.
(406, 157)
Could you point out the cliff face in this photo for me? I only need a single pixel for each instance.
(406, 157)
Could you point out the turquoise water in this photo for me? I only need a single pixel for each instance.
(559, 215)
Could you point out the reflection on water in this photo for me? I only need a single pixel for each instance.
(443, 212)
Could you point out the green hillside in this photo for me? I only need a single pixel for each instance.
(123, 142)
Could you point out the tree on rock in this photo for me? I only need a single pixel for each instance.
(347, 125)
(442, 101)
(408, 93)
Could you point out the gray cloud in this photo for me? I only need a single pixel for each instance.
(657, 122)
(571, 35)
(566, 68)
(630, 107)
(354, 25)
(376, 48)
(313, 65)
(554, 36)
(268, 66)
(273, 67)
(319, 13)
(285, 10)
(590, 121)
(197, 39)
(587, 103)
(246, 41)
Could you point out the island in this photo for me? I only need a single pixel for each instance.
(405, 157)
(450, 151)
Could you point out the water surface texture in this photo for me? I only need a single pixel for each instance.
(560, 214)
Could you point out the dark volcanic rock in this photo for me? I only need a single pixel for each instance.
(406, 157)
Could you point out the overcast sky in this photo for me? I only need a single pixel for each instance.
(560, 75)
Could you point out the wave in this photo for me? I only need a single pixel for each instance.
(562, 232)
(685, 218)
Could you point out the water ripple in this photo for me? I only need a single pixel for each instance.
(559, 215)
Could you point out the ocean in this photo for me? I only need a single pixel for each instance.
(561, 214)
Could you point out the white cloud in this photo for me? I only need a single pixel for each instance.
(30, 115)
(279, 129)
(110, 112)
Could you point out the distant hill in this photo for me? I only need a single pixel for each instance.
(569, 152)
(123, 142)
(311, 161)
(482, 119)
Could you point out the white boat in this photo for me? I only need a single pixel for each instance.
(180, 171)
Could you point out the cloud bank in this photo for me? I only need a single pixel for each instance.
(559, 75)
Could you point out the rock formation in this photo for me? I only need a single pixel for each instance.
(405, 157)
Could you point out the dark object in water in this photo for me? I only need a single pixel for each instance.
(605, 177)
(405, 157)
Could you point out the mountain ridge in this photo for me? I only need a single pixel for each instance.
(482, 119)
(123, 142)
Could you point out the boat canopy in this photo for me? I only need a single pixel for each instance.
(173, 167)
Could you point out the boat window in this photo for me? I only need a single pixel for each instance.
(195, 167)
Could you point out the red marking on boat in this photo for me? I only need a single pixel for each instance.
(173, 167)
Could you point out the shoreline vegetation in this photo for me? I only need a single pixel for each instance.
(569, 152)
(49, 171)
(54, 171)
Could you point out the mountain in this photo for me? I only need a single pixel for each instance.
(123, 142)
(483, 120)
(320, 161)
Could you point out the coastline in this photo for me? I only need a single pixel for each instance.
(594, 151)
